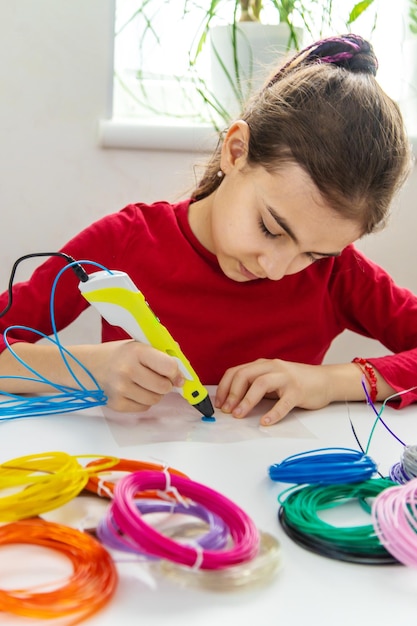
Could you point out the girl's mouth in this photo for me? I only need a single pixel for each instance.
(247, 274)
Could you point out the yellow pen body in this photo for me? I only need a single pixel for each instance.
(120, 302)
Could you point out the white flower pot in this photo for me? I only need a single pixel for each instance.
(240, 64)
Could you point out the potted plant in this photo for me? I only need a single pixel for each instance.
(256, 34)
(244, 49)
(236, 71)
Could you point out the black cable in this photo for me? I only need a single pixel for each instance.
(360, 445)
(330, 549)
(299, 517)
(77, 268)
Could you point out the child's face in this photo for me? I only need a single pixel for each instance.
(269, 225)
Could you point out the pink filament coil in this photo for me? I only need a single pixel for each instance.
(243, 532)
(394, 515)
(215, 538)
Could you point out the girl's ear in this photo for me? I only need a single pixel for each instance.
(235, 146)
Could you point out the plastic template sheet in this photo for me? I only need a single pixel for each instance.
(173, 419)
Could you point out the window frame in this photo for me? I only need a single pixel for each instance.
(160, 132)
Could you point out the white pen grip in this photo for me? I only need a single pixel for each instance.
(119, 316)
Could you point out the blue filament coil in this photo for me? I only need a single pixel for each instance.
(324, 466)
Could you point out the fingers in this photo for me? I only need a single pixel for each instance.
(160, 371)
(230, 391)
(243, 387)
(235, 383)
(255, 394)
(139, 376)
(277, 412)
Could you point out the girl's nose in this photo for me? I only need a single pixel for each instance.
(276, 266)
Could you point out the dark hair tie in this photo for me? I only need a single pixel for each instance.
(351, 52)
(348, 51)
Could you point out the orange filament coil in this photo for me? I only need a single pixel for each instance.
(33, 484)
(90, 587)
(105, 488)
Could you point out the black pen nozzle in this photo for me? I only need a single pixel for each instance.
(205, 407)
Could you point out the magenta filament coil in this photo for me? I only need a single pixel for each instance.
(244, 536)
(210, 533)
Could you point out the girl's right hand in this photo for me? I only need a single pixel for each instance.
(135, 376)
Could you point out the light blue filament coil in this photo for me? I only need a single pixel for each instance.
(66, 399)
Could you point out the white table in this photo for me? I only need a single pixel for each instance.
(233, 456)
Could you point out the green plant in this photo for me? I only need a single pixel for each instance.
(412, 15)
(313, 16)
(360, 7)
(251, 10)
(316, 18)
(302, 19)
(288, 12)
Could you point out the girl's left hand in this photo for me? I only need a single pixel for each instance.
(294, 384)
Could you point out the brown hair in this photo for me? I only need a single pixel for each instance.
(325, 111)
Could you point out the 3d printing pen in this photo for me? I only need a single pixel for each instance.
(121, 303)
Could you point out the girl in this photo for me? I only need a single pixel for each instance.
(256, 273)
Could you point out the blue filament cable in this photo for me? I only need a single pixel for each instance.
(331, 466)
(324, 466)
(67, 398)
(329, 477)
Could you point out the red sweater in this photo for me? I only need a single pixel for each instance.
(219, 322)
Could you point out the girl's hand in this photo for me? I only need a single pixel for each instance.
(294, 384)
(135, 376)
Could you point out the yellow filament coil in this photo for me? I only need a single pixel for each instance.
(33, 484)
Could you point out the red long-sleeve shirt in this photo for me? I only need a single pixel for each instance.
(219, 322)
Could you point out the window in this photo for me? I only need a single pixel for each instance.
(158, 98)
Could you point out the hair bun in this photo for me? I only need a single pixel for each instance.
(349, 51)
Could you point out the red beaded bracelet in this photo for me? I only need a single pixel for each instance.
(370, 376)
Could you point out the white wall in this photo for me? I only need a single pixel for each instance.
(55, 76)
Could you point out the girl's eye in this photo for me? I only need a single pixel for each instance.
(311, 257)
(265, 230)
